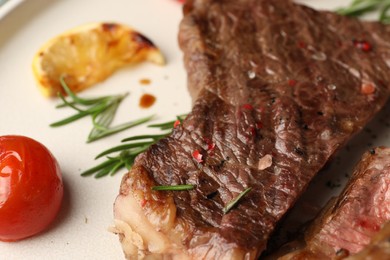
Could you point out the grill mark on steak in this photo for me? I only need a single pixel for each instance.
(348, 223)
(240, 56)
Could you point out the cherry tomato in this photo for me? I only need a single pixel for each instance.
(31, 187)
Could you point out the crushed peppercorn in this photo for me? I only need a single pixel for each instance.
(210, 144)
(143, 202)
(197, 156)
(301, 44)
(177, 122)
(362, 45)
(251, 131)
(367, 88)
(292, 83)
(247, 106)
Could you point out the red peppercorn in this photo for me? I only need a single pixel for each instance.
(301, 44)
(177, 122)
(251, 131)
(362, 45)
(247, 106)
(197, 156)
(292, 83)
(143, 202)
(367, 88)
(210, 144)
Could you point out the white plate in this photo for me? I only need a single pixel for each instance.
(6, 6)
(80, 232)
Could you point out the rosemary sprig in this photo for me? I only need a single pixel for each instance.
(234, 202)
(102, 130)
(174, 187)
(113, 164)
(126, 153)
(361, 7)
(102, 110)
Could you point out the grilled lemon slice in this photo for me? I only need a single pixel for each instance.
(88, 54)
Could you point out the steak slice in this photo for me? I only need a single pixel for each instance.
(379, 248)
(348, 223)
(277, 89)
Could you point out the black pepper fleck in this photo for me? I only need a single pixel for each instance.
(212, 195)
(342, 252)
(299, 151)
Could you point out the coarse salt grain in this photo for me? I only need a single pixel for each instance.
(265, 162)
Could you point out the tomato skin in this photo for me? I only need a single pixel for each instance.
(31, 187)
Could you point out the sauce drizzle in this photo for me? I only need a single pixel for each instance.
(147, 100)
(145, 81)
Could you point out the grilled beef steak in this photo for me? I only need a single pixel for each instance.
(378, 249)
(277, 89)
(348, 223)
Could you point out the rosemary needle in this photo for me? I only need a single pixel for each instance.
(123, 156)
(234, 202)
(123, 147)
(99, 131)
(174, 187)
(102, 110)
(361, 7)
(384, 16)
